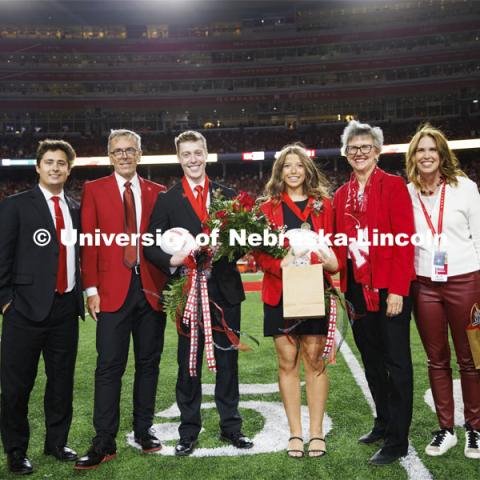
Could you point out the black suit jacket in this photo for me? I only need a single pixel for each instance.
(172, 209)
(28, 272)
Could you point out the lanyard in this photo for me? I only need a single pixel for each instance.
(303, 216)
(201, 213)
(440, 213)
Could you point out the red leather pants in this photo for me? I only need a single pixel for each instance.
(437, 307)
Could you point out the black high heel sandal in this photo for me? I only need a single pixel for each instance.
(295, 451)
(316, 452)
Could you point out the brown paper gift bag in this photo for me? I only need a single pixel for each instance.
(473, 335)
(303, 295)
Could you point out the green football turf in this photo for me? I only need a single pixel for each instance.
(347, 407)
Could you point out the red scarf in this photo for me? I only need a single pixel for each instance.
(356, 217)
(202, 212)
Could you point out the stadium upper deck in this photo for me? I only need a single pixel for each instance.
(263, 63)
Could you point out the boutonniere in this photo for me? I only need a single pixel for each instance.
(317, 207)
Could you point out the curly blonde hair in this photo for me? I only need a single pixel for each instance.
(316, 184)
(449, 165)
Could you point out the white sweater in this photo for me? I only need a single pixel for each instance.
(461, 228)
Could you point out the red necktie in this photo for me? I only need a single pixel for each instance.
(199, 190)
(130, 251)
(62, 254)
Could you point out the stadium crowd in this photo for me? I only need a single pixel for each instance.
(241, 179)
(241, 139)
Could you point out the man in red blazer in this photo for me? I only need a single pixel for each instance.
(121, 291)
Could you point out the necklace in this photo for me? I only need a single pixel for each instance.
(429, 193)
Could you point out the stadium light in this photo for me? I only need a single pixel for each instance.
(473, 143)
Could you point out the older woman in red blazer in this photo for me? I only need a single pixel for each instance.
(297, 195)
(376, 281)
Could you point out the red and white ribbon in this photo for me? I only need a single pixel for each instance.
(332, 326)
(191, 319)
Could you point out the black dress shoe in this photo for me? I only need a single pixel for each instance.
(18, 463)
(371, 437)
(94, 459)
(384, 458)
(185, 447)
(149, 443)
(237, 439)
(63, 454)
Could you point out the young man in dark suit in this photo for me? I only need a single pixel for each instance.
(122, 296)
(186, 205)
(41, 299)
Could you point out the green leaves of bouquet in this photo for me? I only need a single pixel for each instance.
(239, 214)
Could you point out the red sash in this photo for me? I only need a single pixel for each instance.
(201, 212)
(303, 216)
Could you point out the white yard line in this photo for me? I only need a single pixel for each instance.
(413, 465)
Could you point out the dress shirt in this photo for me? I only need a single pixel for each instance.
(195, 193)
(69, 232)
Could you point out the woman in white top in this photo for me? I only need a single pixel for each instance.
(446, 203)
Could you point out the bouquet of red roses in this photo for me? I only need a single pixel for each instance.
(244, 217)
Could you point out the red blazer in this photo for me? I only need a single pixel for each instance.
(102, 266)
(392, 266)
(272, 277)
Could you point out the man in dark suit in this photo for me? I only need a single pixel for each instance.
(122, 296)
(41, 299)
(185, 205)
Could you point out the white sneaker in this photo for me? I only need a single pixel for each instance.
(442, 441)
(472, 443)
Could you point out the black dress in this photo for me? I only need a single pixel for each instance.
(273, 321)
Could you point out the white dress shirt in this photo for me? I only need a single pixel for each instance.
(461, 228)
(69, 232)
(137, 195)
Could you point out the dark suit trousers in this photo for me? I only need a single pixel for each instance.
(137, 318)
(189, 389)
(22, 343)
(384, 345)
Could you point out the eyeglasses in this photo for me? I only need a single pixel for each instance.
(353, 150)
(120, 152)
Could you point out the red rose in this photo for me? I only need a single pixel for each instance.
(221, 214)
(246, 201)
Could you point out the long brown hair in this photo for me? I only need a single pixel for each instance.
(449, 165)
(316, 184)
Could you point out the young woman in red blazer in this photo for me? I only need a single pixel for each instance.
(376, 281)
(296, 194)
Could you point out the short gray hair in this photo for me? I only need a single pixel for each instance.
(356, 129)
(124, 133)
